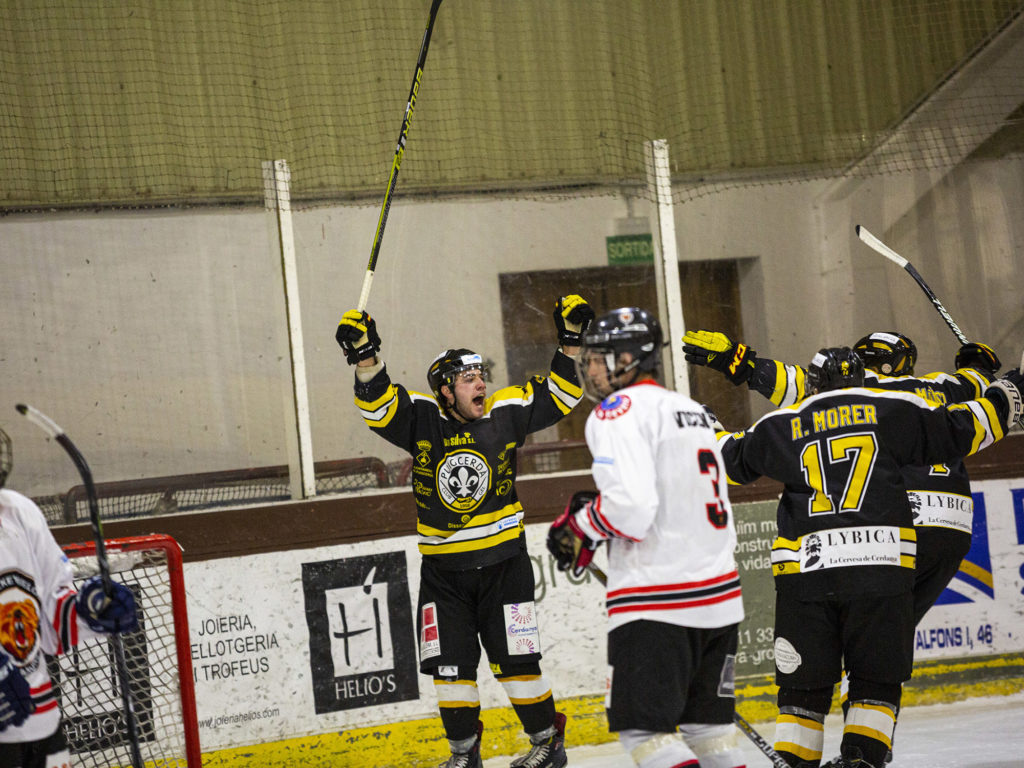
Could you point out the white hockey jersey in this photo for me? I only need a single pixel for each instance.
(37, 608)
(663, 509)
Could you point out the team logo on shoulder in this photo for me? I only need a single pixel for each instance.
(423, 455)
(463, 480)
(613, 406)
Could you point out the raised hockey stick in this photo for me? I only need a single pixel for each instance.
(873, 242)
(47, 424)
(364, 295)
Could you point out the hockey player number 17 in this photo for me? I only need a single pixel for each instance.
(717, 515)
(857, 453)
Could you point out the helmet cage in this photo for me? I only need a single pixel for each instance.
(598, 386)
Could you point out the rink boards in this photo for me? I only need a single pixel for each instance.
(309, 656)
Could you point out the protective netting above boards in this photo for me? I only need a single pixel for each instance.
(179, 103)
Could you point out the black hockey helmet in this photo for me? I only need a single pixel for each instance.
(627, 329)
(887, 352)
(447, 365)
(974, 354)
(835, 368)
(6, 457)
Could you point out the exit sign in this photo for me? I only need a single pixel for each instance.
(630, 249)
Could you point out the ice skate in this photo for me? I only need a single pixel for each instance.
(470, 759)
(549, 751)
(854, 759)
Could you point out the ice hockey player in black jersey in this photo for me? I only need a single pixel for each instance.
(844, 557)
(476, 578)
(940, 495)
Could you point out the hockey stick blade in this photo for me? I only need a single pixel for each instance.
(759, 741)
(396, 163)
(877, 245)
(49, 426)
(873, 242)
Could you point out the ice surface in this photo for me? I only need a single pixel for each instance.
(975, 733)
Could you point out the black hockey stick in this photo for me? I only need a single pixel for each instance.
(873, 242)
(759, 741)
(364, 294)
(47, 424)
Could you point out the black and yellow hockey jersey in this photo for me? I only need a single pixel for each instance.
(845, 522)
(940, 494)
(463, 475)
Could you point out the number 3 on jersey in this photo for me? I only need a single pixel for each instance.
(851, 458)
(717, 515)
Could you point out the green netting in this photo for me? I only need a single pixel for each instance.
(175, 102)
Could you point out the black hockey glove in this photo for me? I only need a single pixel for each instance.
(116, 614)
(718, 351)
(980, 356)
(572, 317)
(1009, 387)
(357, 336)
(16, 702)
(566, 542)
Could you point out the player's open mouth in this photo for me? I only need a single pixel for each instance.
(478, 400)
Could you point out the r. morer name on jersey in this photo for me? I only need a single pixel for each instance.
(834, 418)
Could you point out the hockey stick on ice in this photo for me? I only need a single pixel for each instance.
(364, 295)
(47, 424)
(759, 741)
(873, 242)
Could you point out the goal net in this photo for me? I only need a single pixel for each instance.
(157, 658)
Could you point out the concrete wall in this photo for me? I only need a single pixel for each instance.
(157, 339)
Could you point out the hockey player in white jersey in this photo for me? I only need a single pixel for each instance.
(673, 598)
(41, 613)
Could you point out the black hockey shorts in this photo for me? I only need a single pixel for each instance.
(492, 605)
(663, 676)
(873, 635)
(939, 552)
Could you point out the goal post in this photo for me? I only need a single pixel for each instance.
(158, 660)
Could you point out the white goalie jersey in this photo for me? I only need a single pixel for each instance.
(38, 615)
(663, 510)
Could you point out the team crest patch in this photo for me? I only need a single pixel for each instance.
(613, 406)
(463, 479)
